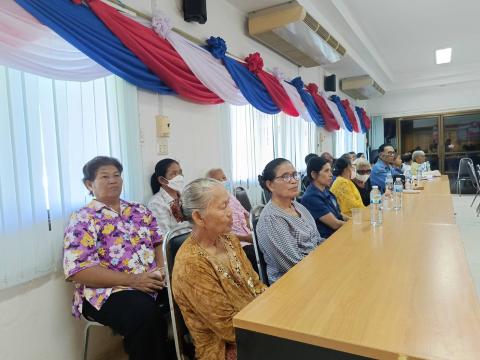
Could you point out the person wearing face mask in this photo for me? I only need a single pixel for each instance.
(318, 199)
(240, 226)
(344, 189)
(167, 183)
(362, 179)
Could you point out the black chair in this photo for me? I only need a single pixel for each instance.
(266, 196)
(262, 266)
(242, 196)
(464, 174)
(172, 242)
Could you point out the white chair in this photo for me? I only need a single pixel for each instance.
(262, 266)
(86, 334)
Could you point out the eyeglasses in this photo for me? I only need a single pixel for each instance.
(288, 177)
(390, 153)
(364, 172)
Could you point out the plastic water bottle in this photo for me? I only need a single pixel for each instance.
(375, 206)
(397, 194)
(387, 204)
(408, 180)
(427, 166)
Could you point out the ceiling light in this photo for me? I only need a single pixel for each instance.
(443, 56)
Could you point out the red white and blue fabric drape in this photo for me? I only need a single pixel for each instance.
(157, 59)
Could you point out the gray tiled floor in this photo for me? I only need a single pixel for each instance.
(469, 225)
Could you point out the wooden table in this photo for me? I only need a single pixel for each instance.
(401, 289)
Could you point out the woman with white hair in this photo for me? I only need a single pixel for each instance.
(362, 179)
(418, 158)
(212, 277)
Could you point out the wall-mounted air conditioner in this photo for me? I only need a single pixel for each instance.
(361, 87)
(293, 33)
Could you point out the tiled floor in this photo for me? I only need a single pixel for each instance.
(469, 225)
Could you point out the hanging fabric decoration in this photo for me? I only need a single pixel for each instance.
(351, 115)
(250, 86)
(254, 63)
(156, 53)
(307, 99)
(292, 94)
(81, 28)
(366, 119)
(358, 111)
(330, 122)
(27, 45)
(333, 107)
(357, 118)
(341, 108)
(209, 70)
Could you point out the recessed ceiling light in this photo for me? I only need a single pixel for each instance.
(443, 56)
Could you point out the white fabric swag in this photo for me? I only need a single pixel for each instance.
(27, 45)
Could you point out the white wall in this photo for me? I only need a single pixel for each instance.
(462, 96)
(35, 321)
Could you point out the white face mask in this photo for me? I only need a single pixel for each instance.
(362, 178)
(177, 183)
(227, 185)
(353, 174)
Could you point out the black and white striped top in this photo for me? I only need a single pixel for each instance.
(285, 239)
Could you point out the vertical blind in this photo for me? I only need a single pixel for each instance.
(258, 138)
(48, 130)
(346, 141)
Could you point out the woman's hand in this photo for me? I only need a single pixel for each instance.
(148, 282)
(345, 217)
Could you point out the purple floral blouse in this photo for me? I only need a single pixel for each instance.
(98, 235)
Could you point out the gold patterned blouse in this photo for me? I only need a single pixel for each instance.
(209, 294)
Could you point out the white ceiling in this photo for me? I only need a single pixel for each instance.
(395, 41)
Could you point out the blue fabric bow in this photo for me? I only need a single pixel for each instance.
(81, 28)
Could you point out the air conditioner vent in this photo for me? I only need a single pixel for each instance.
(292, 32)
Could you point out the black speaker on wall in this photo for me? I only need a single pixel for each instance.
(330, 83)
(195, 11)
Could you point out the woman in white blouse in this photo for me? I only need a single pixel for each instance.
(167, 184)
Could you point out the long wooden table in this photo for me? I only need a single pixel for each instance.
(397, 291)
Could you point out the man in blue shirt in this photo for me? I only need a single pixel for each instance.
(386, 155)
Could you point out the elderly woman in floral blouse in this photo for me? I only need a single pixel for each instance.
(212, 277)
(111, 251)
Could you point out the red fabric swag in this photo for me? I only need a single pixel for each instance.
(156, 53)
(351, 115)
(330, 122)
(366, 119)
(254, 63)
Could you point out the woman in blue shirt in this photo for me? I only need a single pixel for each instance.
(318, 199)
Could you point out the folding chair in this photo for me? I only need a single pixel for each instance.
(172, 242)
(262, 266)
(474, 180)
(463, 173)
(242, 196)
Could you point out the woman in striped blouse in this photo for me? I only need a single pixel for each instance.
(286, 230)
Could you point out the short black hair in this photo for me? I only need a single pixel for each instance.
(407, 157)
(359, 155)
(310, 156)
(340, 165)
(352, 153)
(269, 173)
(316, 164)
(161, 169)
(90, 169)
(382, 147)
